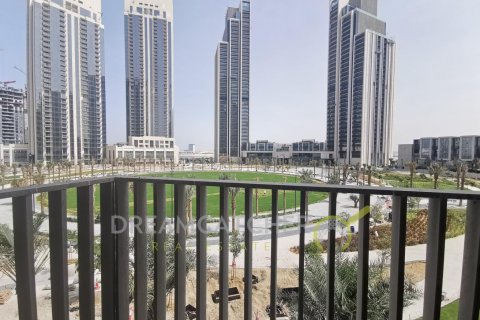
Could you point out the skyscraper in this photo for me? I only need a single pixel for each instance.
(149, 67)
(232, 84)
(66, 80)
(12, 115)
(361, 67)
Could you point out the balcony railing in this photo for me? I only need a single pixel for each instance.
(114, 192)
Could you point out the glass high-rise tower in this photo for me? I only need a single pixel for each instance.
(232, 84)
(66, 80)
(361, 67)
(149, 67)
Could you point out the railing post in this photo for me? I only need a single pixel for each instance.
(273, 259)
(24, 257)
(108, 266)
(363, 263)
(437, 222)
(57, 209)
(86, 252)
(248, 310)
(160, 210)
(301, 256)
(331, 256)
(397, 265)
(122, 249)
(201, 234)
(470, 288)
(140, 243)
(180, 247)
(223, 277)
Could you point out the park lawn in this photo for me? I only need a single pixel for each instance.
(403, 181)
(213, 194)
(449, 311)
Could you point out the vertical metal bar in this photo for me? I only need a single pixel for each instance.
(180, 246)
(201, 234)
(397, 269)
(470, 288)
(362, 272)
(248, 310)
(57, 218)
(223, 277)
(122, 250)
(140, 243)
(331, 256)
(24, 257)
(301, 255)
(160, 276)
(107, 228)
(437, 222)
(86, 290)
(273, 257)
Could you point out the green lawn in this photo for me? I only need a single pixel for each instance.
(264, 196)
(450, 311)
(419, 181)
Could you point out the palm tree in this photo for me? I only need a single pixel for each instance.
(3, 172)
(462, 169)
(104, 166)
(412, 167)
(40, 248)
(80, 168)
(14, 170)
(233, 196)
(316, 290)
(436, 170)
(345, 170)
(39, 179)
(50, 167)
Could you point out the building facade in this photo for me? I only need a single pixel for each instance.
(66, 80)
(14, 154)
(447, 150)
(149, 149)
(13, 116)
(361, 67)
(232, 85)
(302, 152)
(149, 67)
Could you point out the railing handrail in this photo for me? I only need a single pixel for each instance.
(310, 187)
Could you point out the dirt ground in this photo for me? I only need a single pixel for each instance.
(260, 292)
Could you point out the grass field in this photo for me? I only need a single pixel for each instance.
(450, 311)
(419, 181)
(264, 196)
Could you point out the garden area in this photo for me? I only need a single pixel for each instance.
(213, 193)
(420, 181)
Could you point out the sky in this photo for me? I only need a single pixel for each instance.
(437, 89)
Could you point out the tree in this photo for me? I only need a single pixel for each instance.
(3, 178)
(355, 198)
(68, 166)
(436, 170)
(412, 167)
(345, 172)
(40, 248)
(233, 196)
(189, 194)
(413, 203)
(345, 289)
(235, 249)
(50, 168)
(306, 176)
(170, 249)
(104, 166)
(462, 171)
(39, 179)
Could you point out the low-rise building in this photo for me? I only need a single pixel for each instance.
(159, 149)
(405, 154)
(297, 152)
(14, 154)
(445, 149)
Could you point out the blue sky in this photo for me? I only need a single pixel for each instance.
(437, 71)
